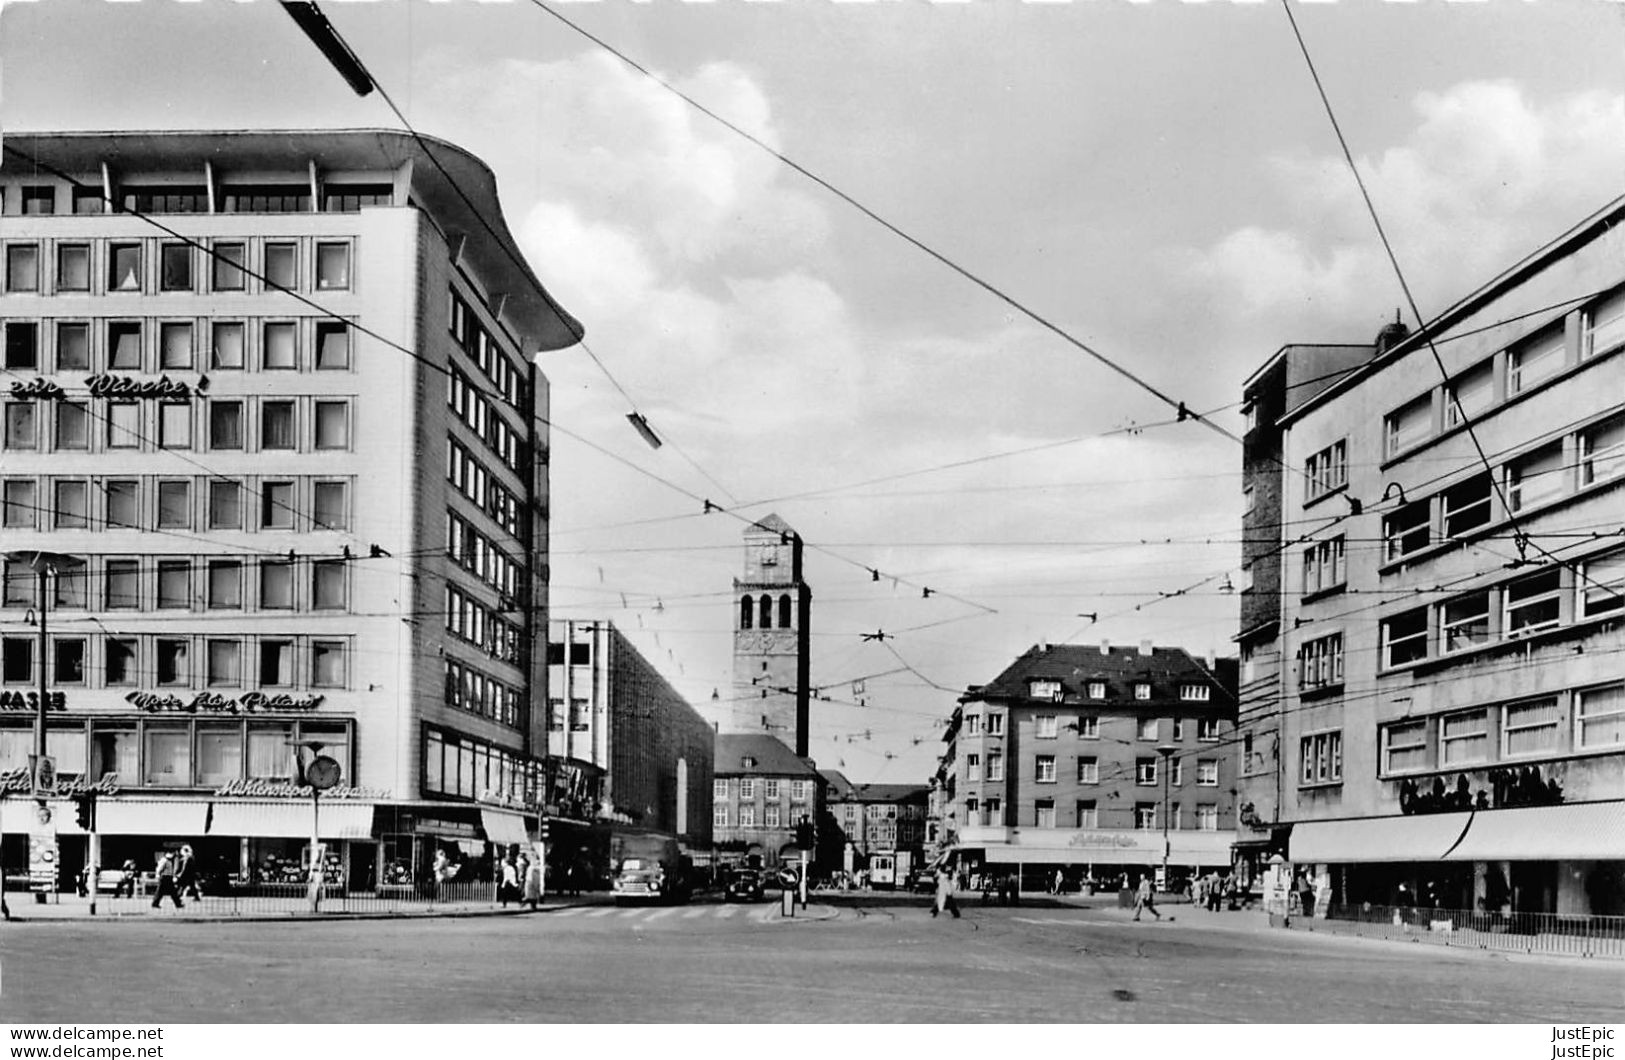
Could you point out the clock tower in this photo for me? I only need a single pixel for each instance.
(772, 606)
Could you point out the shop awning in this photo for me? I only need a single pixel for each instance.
(1577, 831)
(1425, 837)
(175, 818)
(504, 828)
(1187, 848)
(290, 819)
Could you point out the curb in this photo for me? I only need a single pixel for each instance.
(284, 918)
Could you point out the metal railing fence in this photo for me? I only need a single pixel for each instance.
(261, 899)
(1577, 935)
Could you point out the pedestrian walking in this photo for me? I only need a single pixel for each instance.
(126, 879)
(508, 882)
(1144, 899)
(186, 874)
(945, 893)
(533, 884)
(166, 881)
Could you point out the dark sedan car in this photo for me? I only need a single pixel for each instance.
(744, 887)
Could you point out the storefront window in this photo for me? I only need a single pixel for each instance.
(270, 752)
(433, 748)
(114, 753)
(335, 741)
(219, 754)
(465, 775)
(168, 757)
(15, 747)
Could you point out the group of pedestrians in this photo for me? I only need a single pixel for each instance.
(1212, 891)
(519, 881)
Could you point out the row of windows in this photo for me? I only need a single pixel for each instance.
(473, 769)
(480, 416)
(470, 690)
(1145, 770)
(1553, 597)
(159, 345)
(1508, 373)
(762, 610)
(482, 626)
(133, 267)
(186, 583)
(1054, 691)
(1326, 470)
(298, 503)
(45, 199)
(1320, 662)
(477, 554)
(120, 661)
(879, 811)
(179, 754)
(1147, 815)
(1587, 457)
(771, 788)
(1578, 720)
(1087, 726)
(580, 711)
(483, 348)
(1320, 759)
(772, 817)
(226, 425)
(1324, 566)
(483, 488)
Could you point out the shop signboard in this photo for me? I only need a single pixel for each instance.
(214, 703)
(21, 782)
(270, 789)
(15, 701)
(106, 385)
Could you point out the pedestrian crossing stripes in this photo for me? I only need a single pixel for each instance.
(648, 914)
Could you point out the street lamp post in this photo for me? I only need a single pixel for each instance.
(1167, 752)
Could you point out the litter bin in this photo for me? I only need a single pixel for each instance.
(787, 900)
(1125, 898)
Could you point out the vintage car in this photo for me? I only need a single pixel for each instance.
(744, 886)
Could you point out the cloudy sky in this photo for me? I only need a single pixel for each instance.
(1157, 180)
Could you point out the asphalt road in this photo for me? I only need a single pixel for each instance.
(877, 961)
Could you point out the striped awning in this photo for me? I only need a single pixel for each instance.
(1576, 831)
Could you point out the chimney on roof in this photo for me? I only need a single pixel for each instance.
(1212, 659)
(1105, 646)
(1145, 648)
(1043, 647)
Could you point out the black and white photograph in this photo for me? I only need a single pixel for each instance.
(812, 512)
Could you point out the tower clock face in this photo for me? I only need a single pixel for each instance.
(766, 642)
(769, 555)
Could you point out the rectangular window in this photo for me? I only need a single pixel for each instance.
(1405, 747)
(265, 198)
(1145, 816)
(973, 724)
(1142, 690)
(1088, 815)
(1464, 738)
(124, 267)
(1323, 566)
(121, 666)
(276, 584)
(21, 510)
(123, 503)
(329, 508)
(770, 788)
(1207, 817)
(282, 266)
(38, 200)
(1465, 621)
(1045, 767)
(167, 757)
(225, 664)
(1531, 728)
(124, 346)
(276, 663)
(1179, 725)
(1045, 726)
(1601, 585)
(1088, 771)
(1406, 530)
(332, 266)
(747, 817)
(1405, 638)
(1146, 728)
(73, 347)
(995, 766)
(68, 661)
(1535, 359)
(225, 424)
(973, 767)
(1145, 771)
(327, 664)
(89, 201)
(1195, 694)
(1045, 690)
(332, 425)
(279, 348)
(276, 425)
(1466, 506)
(175, 505)
(174, 425)
(1320, 662)
(1207, 772)
(276, 505)
(1407, 425)
(1471, 393)
(225, 585)
(327, 585)
(72, 505)
(1532, 604)
(1599, 717)
(20, 430)
(22, 267)
(770, 816)
(1097, 690)
(719, 816)
(219, 754)
(22, 346)
(1207, 729)
(1044, 813)
(229, 259)
(1327, 470)
(174, 666)
(72, 425)
(1602, 451)
(72, 267)
(175, 346)
(995, 724)
(123, 425)
(1604, 326)
(332, 345)
(174, 585)
(1088, 728)
(992, 812)
(226, 351)
(1536, 477)
(747, 788)
(17, 660)
(175, 267)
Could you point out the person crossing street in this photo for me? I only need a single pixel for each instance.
(1144, 899)
(945, 893)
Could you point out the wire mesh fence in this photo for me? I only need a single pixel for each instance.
(1568, 934)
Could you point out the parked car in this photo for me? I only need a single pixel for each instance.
(923, 882)
(744, 886)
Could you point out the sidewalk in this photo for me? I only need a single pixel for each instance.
(226, 909)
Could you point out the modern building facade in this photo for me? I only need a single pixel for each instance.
(772, 636)
(1451, 700)
(760, 792)
(1075, 758)
(274, 392)
(867, 819)
(639, 756)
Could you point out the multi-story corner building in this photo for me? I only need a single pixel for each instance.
(629, 752)
(760, 792)
(772, 636)
(1074, 759)
(1452, 581)
(273, 394)
(867, 819)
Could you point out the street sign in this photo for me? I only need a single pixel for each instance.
(44, 769)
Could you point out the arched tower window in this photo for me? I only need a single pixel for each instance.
(744, 612)
(784, 611)
(767, 612)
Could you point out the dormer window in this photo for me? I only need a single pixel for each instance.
(1193, 693)
(1045, 690)
(1142, 690)
(747, 762)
